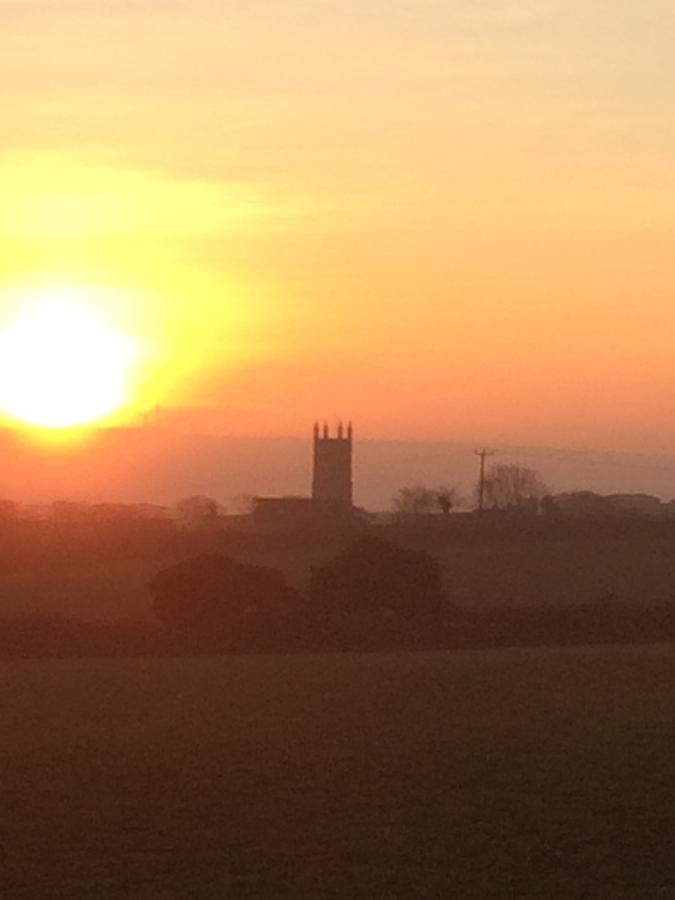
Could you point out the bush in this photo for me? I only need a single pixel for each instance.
(213, 595)
(375, 575)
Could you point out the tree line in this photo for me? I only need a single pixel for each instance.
(505, 487)
(374, 594)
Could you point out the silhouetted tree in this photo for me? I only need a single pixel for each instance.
(212, 595)
(447, 499)
(373, 574)
(114, 513)
(419, 500)
(513, 487)
(415, 500)
(243, 504)
(197, 511)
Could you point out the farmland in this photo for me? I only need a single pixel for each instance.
(535, 773)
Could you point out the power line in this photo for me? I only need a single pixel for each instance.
(592, 458)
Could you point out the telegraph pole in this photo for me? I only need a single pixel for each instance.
(483, 454)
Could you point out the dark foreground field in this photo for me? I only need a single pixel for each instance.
(547, 773)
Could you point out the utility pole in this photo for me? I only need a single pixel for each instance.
(483, 454)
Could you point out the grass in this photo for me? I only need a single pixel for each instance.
(538, 773)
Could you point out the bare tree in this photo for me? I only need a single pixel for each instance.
(197, 511)
(513, 487)
(420, 500)
(447, 498)
(416, 500)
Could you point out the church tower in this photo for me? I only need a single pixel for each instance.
(332, 480)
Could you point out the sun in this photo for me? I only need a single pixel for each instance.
(62, 365)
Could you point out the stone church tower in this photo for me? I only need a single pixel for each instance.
(332, 480)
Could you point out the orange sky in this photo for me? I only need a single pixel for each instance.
(441, 218)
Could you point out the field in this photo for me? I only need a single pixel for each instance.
(482, 774)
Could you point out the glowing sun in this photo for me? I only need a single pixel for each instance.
(62, 365)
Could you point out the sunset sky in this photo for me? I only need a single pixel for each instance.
(441, 218)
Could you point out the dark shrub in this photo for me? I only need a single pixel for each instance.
(374, 575)
(213, 595)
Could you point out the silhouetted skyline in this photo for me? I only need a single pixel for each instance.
(139, 465)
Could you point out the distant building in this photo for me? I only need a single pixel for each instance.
(587, 503)
(636, 504)
(288, 514)
(331, 503)
(332, 480)
(581, 503)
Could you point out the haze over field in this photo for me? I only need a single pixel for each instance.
(447, 220)
(140, 465)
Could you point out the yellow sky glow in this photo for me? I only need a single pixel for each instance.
(441, 218)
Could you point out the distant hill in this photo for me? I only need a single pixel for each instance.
(161, 465)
